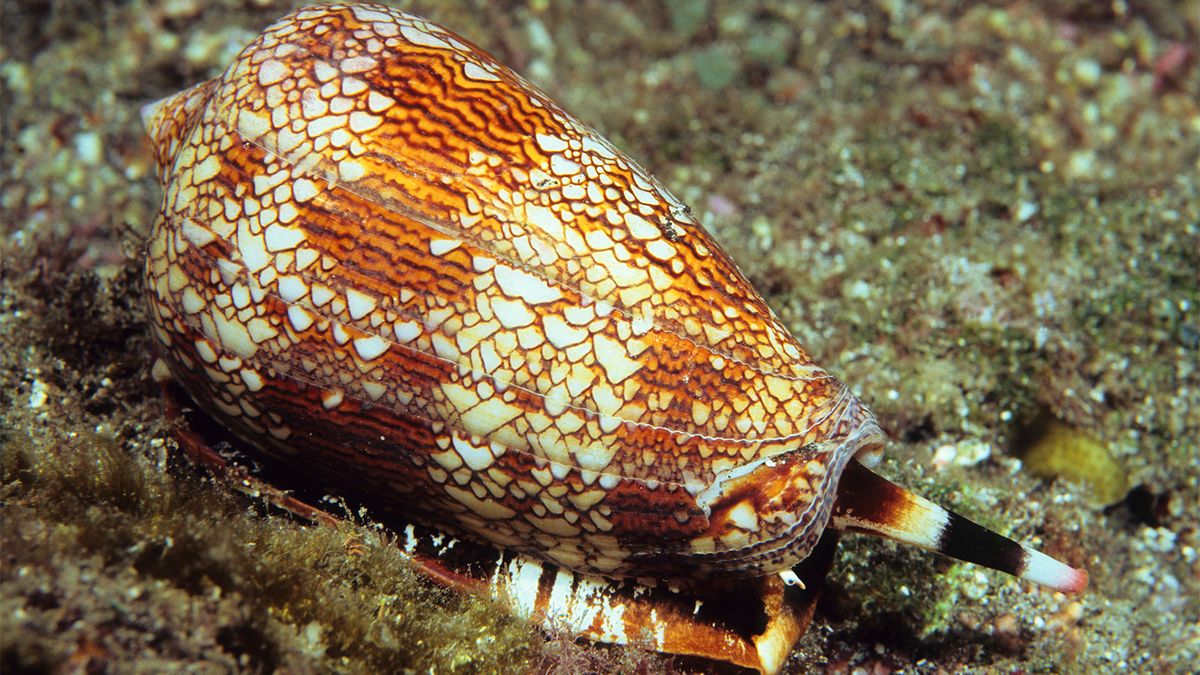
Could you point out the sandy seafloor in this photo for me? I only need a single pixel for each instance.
(976, 216)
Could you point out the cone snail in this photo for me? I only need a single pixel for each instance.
(387, 260)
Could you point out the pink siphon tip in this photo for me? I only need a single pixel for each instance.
(1041, 568)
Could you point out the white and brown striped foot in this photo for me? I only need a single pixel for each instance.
(872, 504)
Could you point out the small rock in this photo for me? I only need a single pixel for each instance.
(1087, 72)
(966, 453)
(89, 148)
(1159, 539)
(38, 396)
(975, 586)
(1082, 164)
(1025, 211)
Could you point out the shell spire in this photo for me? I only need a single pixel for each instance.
(168, 120)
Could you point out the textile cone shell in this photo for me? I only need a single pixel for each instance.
(388, 259)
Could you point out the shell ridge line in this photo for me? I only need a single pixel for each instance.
(832, 405)
(159, 119)
(457, 232)
(243, 273)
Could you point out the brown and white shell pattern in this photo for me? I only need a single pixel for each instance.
(388, 259)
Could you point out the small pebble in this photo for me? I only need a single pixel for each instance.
(965, 453)
(1025, 211)
(38, 396)
(1087, 72)
(1159, 539)
(89, 148)
(1007, 624)
(976, 585)
(1082, 164)
(859, 290)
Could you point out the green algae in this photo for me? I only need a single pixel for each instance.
(269, 591)
(1059, 451)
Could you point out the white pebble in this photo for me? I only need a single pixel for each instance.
(89, 148)
(39, 395)
(1087, 72)
(944, 455)
(1026, 210)
(1159, 539)
(859, 290)
(976, 587)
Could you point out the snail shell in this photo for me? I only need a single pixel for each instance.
(389, 259)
